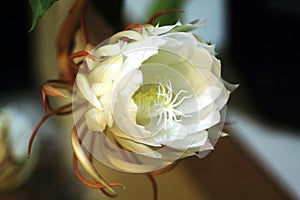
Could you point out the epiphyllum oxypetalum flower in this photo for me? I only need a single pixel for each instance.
(151, 96)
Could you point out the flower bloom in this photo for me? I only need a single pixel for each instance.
(148, 97)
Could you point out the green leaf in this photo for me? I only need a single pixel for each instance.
(39, 8)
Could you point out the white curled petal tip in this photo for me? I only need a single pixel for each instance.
(164, 29)
(223, 134)
(188, 27)
(86, 91)
(205, 149)
(231, 87)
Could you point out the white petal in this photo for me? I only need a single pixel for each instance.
(138, 148)
(137, 53)
(121, 99)
(108, 50)
(132, 109)
(214, 133)
(146, 141)
(130, 167)
(182, 36)
(90, 63)
(190, 141)
(205, 149)
(106, 100)
(107, 71)
(216, 67)
(209, 90)
(165, 29)
(168, 135)
(102, 88)
(86, 91)
(231, 87)
(95, 119)
(201, 120)
(133, 35)
(201, 58)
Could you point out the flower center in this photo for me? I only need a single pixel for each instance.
(144, 98)
(158, 103)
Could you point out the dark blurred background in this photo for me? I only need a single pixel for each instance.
(264, 39)
(14, 40)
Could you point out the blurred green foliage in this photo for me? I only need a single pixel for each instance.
(161, 5)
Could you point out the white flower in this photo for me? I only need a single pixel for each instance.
(150, 98)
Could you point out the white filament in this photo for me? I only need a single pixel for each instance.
(167, 105)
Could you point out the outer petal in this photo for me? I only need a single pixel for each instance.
(189, 49)
(191, 141)
(146, 141)
(86, 91)
(96, 120)
(138, 148)
(107, 71)
(202, 120)
(130, 34)
(109, 50)
(159, 30)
